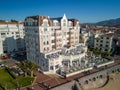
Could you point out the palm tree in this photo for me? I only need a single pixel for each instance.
(28, 66)
(32, 67)
(24, 66)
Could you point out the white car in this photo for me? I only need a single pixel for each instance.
(2, 65)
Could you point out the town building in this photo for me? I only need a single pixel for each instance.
(104, 42)
(53, 43)
(11, 37)
(86, 35)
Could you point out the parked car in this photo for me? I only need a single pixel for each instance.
(20, 71)
(2, 65)
(5, 57)
(17, 71)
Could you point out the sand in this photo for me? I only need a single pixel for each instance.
(113, 84)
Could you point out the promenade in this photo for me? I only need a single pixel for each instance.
(44, 82)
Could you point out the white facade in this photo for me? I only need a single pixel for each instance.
(50, 40)
(104, 42)
(11, 37)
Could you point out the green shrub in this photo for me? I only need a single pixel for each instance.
(10, 73)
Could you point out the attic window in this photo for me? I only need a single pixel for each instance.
(64, 22)
(45, 22)
(70, 23)
(55, 23)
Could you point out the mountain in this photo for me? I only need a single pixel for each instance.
(111, 22)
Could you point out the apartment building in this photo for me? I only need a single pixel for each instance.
(51, 42)
(104, 42)
(11, 37)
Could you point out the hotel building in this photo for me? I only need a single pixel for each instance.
(11, 37)
(53, 43)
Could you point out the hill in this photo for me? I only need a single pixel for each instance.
(111, 22)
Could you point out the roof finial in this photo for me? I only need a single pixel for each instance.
(64, 16)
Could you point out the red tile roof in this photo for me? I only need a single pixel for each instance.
(11, 22)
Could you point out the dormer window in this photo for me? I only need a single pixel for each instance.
(45, 22)
(35, 22)
(55, 23)
(64, 22)
(70, 23)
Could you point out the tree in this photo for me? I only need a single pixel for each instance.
(32, 67)
(24, 66)
(12, 20)
(105, 54)
(2, 20)
(28, 66)
(96, 51)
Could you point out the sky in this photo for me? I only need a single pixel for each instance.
(84, 10)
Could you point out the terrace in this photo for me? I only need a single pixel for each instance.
(72, 51)
(84, 64)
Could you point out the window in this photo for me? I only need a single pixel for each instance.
(70, 23)
(68, 32)
(68, 39)
(53, 23)
(17, 32)
(68, 43)
(60, 40)
(48, 48)
(44, 43)
(35, 31)
(106, 45)
(47, 42)
(45, 22)
(57, 24)
(101, 41)
(45, 29)
(53, 34)
(53, 46)
(107, 42)
(101, 45)
(44, 49)
(107, 38)
(56, 66)
(17, 36)
(106, 49)
(53, 41)
(2, 33)
(51, 67)
(64, 22)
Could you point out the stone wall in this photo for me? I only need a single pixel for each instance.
(80, 82)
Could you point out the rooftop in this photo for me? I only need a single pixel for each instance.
(11, 22)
